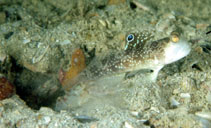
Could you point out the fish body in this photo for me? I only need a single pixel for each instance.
(139, 53)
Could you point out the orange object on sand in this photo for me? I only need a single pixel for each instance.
(68, 79)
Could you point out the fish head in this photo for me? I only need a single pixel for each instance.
(166, 50)
(176, 49)
(144, 53)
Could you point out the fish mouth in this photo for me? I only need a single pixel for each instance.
(176, 51)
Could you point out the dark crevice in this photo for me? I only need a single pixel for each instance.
(195, 66)
(12, 16)
(91, 54)
(147, 123)
(35, 101)
(31, 86)
(209, 32)
(101, 7)
(132, 5)
(8, 35)
(206, 48)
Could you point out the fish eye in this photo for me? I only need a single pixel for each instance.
(130, 37)
(175, 37)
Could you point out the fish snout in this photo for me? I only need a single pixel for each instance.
(176, 50)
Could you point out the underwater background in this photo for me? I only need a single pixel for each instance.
(105, 63)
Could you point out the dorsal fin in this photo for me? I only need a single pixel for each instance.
(69, 78)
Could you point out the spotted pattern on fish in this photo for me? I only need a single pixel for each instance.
(136, 41)
(139, 53)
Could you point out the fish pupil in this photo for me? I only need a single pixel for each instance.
(130, 38)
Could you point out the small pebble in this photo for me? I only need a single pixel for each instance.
(185, 95)
(135, 113)
(202, 26)
(174, 103)
(205, 115)
(25, 41)
(176, 91)
(85, 119)
(94, 125)
(3, 56)
(65, 42)
(102, 22)
(208, 97)
(127, 125)
(47, 119)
